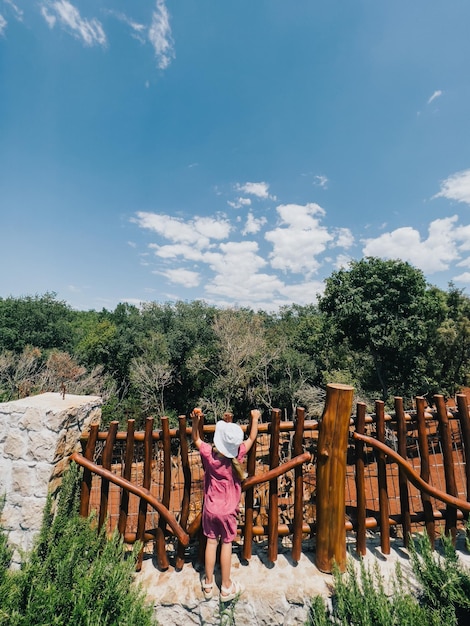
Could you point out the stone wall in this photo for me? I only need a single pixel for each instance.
(37, 436)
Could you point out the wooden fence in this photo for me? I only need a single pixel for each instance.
(308, 480)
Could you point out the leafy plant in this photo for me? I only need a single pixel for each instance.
(360, 599)
(74, 575)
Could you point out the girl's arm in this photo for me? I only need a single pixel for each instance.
(255, 414)
(196, 414)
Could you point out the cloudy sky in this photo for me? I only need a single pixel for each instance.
(235, 151)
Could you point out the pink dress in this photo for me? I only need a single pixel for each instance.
(222, 491)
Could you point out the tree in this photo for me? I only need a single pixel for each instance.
(39, 321)
(386, 311)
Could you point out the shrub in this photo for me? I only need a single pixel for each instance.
(74, 575)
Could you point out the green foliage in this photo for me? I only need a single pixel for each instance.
(444, 581)
(361, 599)
(39, 321)
(74, 575)
(386, 310)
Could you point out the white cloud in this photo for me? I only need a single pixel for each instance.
(463, 278)
(253, 224)
(3, 24)
(89, 31)
(320, 181)
(198, 231)
(236, 204)
(137, 29)
(431, 255)
(160, 35)
(260, 190)
(181, 276)
(299, 239)
(456, 187)
(343, 238)
(18, 13)
(436, 94)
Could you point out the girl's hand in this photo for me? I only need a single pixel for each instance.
(255, 414)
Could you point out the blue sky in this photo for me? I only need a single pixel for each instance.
(235, 151)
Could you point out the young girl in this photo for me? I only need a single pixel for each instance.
(222, 490)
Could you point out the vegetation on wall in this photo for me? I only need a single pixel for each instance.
(74, 575)
(378, 326)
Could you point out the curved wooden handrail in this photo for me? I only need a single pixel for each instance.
(412, 476)
(251, 481)
(180, 534)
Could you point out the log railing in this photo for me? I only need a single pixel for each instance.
(385, 485)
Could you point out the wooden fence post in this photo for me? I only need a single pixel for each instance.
(384, 505)
(449, 474)
(360, 481)
(331, 478)
(402, 480)
(298, 486)
(273, 512)
(423, 444)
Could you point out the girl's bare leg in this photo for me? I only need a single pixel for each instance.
(226, 564)
(210, 557)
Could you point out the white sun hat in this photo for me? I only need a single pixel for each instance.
(227, 438)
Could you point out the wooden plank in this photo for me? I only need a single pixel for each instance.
(273, 512)
(423, 445)
(402, 480)
(331, 478)
(126, 473)
(360, 481)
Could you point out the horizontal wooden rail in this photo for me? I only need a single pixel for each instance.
(413, 477)
(145, 494)
(251, 481)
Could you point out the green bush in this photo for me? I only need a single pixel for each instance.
(360, 598)
(74, 575)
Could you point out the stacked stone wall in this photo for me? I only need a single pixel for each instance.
(37, 436)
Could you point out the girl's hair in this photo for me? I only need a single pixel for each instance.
(238, 469)
(236, 466)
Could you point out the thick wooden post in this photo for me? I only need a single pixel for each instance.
(331, 478)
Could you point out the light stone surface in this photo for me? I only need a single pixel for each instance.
(37, 436)
(274, 595)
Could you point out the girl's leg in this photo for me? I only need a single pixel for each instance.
(211, 554)
(226, 564)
